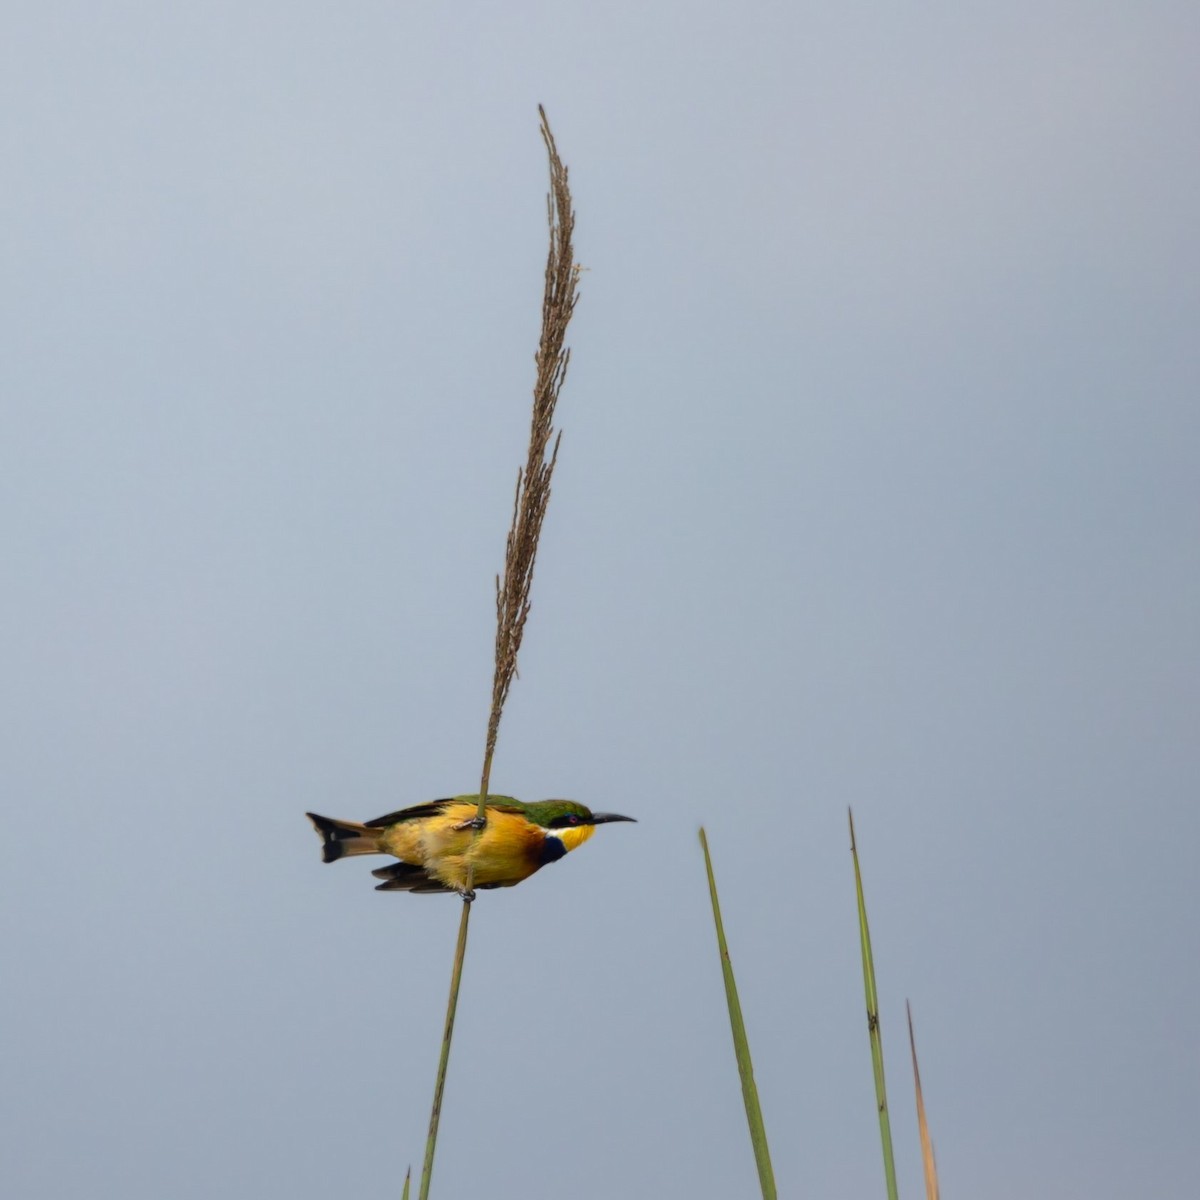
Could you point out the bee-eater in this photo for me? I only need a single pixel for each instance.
(435, 842)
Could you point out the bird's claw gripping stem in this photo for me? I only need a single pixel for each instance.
(468, 895)
(473, 823)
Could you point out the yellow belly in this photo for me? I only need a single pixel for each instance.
(505, 853)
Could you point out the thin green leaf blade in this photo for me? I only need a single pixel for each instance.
(885, 1124)
(741, 1045)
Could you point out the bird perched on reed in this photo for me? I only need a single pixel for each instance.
(435, 842)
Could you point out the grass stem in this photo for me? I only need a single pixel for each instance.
(529, 510)
(435, 1113)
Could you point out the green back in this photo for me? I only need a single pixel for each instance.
(542, 812)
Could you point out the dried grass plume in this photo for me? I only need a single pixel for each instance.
(533, 480)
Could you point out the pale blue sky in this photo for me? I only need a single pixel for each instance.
(878, 488)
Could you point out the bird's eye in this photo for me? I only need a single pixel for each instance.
(573, 820)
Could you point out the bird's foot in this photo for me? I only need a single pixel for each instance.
(473, 823)
(468, 895)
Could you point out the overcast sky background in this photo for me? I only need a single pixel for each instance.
(879, 487)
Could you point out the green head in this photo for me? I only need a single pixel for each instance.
(567, 814)
(567, 824)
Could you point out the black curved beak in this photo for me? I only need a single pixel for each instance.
(604, 818)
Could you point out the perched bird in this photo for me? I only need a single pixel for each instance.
(435, 842)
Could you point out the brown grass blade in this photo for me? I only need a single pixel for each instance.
(931, 1179)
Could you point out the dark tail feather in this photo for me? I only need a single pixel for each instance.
(343, 839)
(404, 877)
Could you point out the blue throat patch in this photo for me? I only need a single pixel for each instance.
(552, 850)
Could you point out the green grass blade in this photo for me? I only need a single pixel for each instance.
(741, 1047)
(407, 1184)
(885, 1124)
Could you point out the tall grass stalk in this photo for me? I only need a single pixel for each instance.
(931, 1176)
(741, 1044)
(439, 1087)
(529, 510)
(560, 295)
(885, 1125)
